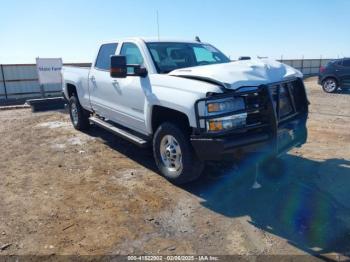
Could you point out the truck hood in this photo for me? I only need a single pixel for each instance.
(234, 75)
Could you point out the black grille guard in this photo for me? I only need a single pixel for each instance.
(268, 107)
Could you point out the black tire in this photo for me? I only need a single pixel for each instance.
(192, 167)
(330, 85)
(82, 116)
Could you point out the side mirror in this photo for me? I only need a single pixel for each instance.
(140, 71)
(118, 66)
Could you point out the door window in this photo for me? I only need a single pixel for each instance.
(346, 63)
(103, 60)
(133, 56)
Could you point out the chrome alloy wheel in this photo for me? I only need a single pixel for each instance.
(74, 113)
(171, 154)
(330, 85)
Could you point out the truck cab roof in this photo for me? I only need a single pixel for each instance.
(151, 40)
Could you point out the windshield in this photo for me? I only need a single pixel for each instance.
(170, 56)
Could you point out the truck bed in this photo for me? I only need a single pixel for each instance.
(79, 77)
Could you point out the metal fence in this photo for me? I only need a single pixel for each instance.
(19, 82)
(309, 67)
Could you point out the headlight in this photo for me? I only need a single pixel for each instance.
(223, 106)
(225, 123)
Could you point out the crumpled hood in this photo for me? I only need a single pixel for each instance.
(241, 73)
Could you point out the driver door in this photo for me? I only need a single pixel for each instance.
(132, 90)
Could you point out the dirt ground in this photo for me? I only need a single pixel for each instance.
(67, 192)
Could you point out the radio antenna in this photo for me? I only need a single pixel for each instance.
(158, 25)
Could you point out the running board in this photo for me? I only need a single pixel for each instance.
(119, 132)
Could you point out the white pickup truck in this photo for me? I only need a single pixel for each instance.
(189, 102)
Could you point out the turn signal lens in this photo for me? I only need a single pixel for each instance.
(215, 125)
(226, 123)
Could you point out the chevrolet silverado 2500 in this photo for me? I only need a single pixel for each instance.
(189, 102)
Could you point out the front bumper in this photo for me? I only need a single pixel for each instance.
(270, 129)
(288, 135)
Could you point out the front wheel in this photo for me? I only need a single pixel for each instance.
(174, 155)
(330, 85)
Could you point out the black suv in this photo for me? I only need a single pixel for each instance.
(334, 75)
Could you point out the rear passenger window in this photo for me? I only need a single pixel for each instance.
(346, 62)
(103, 60)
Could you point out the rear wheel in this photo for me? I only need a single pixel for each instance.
(330, 85)
(78, 115)
(174, 155)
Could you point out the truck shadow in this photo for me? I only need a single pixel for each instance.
(295, 202)
(142, 156)
(302, 200)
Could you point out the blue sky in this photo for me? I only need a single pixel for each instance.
(71, 29)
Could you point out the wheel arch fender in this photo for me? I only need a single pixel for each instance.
(159, 113)
(69, 89)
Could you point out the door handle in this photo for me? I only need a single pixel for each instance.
(92, 78)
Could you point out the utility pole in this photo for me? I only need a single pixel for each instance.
(302, 64)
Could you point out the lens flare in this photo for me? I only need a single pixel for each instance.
(290, 208)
